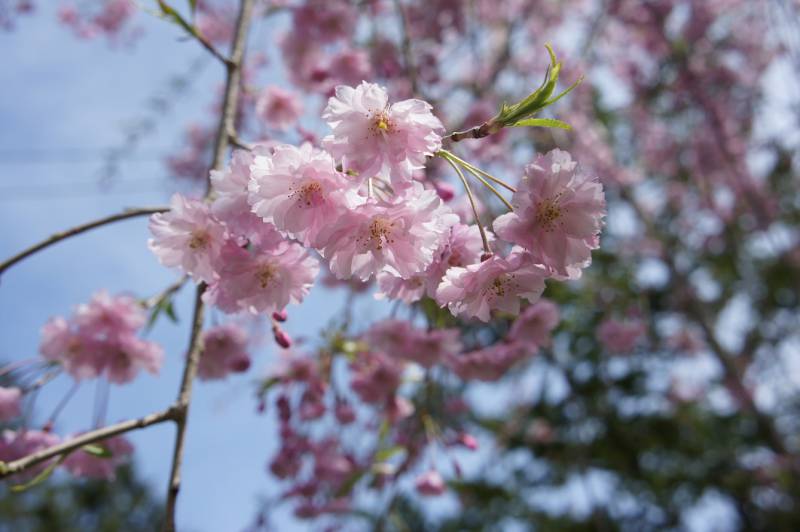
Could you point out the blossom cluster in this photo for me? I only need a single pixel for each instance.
(101, 339)
(101, 464)
(380, 388)
(358, 203)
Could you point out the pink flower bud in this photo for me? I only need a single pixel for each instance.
(280, 316)
(445, 190)
(282, 339)
(468, 441)
(430, 483)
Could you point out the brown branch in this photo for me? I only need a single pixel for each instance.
(225, 131)
(477, 132)
(26, 462)
(408, 54)
(698, 312)
(232, 82)
(62, 235)
(182, 406)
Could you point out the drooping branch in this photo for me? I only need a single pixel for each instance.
(225, 131)
(63, 235)
(182, 405)
(27, 462)
(695, 310)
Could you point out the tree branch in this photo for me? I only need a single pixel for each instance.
(698, 313)
(62, 235)
(182, 406)
(26, 462)
(225, 130)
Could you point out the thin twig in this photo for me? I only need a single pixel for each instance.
(62, 235)
(26, 462)
(408, 54)
(485, 240)
(697, 311)
(490, 187)
(225, 131)
(166, 293)
(182, 406)
(484, 173)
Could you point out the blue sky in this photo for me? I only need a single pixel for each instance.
(65, 101)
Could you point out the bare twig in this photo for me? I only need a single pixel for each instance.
(24, 463)
(181, 406)
(62, 235)
(225, 131)
(697, 311)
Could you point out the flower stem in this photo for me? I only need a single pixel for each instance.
(446, 156)
(474, 168)
(490, 187)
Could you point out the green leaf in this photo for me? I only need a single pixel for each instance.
(165, 305)
(41, 477)
(193, 5)
(97, 450)
(171, 14)
(385, 454)
(169, 310)
(348, 485)
(543, 122)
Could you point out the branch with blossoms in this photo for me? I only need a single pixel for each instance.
(255, 244)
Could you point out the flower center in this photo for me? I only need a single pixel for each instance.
(199, 240)
(548, 212)
(309, 194)
(381, 123)
(379, 232)
(265, 275)
(501, 285)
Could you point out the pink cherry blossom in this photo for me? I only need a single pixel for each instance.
(375, 376)
(324, 21)
(10, 403)
(224, 352)
(106, 317)
(400, 339)
(262, 279)
(430, 483)
(534, 324)
(188, 237)
(83, 464)
(20, 443)
(621, 336)
(124, 358)
(230, 192)
(372, 137)
(495, 284)
(100, 339)
(278, 107)
(557, 214)
(399, 237)
(406, 290)
(297, 189)
(489, 363)
(463, 248)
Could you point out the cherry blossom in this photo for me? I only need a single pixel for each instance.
(83, 464)
(497, 283)
(278, 107)
(187, 237)
(224, 352)
(399, 237)
(534, 325)
(263, 279)
(10, 399)
(373, 137)
(557, 214)
(297, 189)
